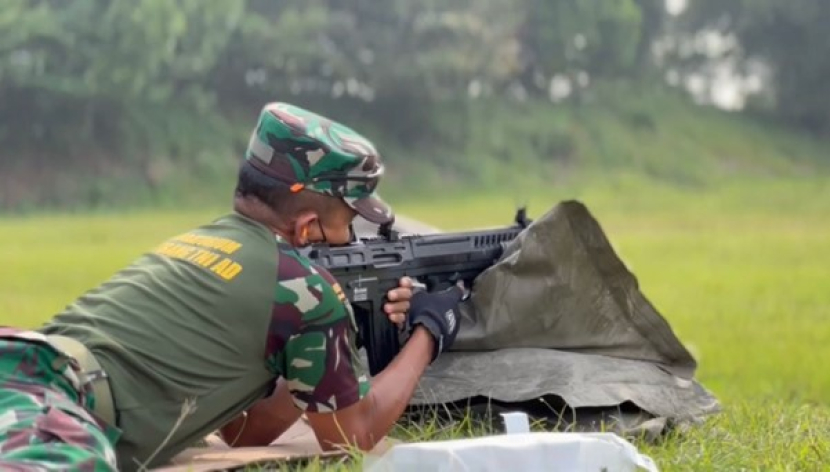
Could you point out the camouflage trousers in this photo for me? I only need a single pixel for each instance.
(45, 422)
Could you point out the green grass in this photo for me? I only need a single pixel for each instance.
(741, 272)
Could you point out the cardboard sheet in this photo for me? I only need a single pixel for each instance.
(296, 444)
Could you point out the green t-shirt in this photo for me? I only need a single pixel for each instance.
(197, 330)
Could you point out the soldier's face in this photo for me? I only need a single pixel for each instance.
(333, 228)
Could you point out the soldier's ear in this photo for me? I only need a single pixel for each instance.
(302, 231)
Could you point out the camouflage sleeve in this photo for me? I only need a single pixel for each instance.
(311, 339)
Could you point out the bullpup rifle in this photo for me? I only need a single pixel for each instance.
(369, 267)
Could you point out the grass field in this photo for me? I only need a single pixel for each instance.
(742, 274)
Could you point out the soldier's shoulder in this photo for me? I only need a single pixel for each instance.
(293, 264)
(309, 291)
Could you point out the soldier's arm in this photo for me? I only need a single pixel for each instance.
(272, 416)
(312, 343)
(367, 421)
(363, 424)
(264, 422)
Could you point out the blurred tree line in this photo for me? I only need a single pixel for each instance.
(137, 86)
(784, 40)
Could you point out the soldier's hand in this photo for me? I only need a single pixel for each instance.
(438, 313)
(399, 301)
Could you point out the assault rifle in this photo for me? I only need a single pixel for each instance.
(369, 267)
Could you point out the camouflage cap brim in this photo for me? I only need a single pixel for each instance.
(372, 209)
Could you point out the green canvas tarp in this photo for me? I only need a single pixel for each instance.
(559, 327)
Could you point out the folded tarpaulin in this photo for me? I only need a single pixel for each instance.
(560, 285)
(559, 314)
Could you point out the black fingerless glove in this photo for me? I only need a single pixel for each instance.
(438, 313)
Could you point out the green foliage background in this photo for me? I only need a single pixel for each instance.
(111, 103)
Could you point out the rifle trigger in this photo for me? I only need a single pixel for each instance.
(417, 286)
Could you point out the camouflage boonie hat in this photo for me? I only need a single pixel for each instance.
(309, 151)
